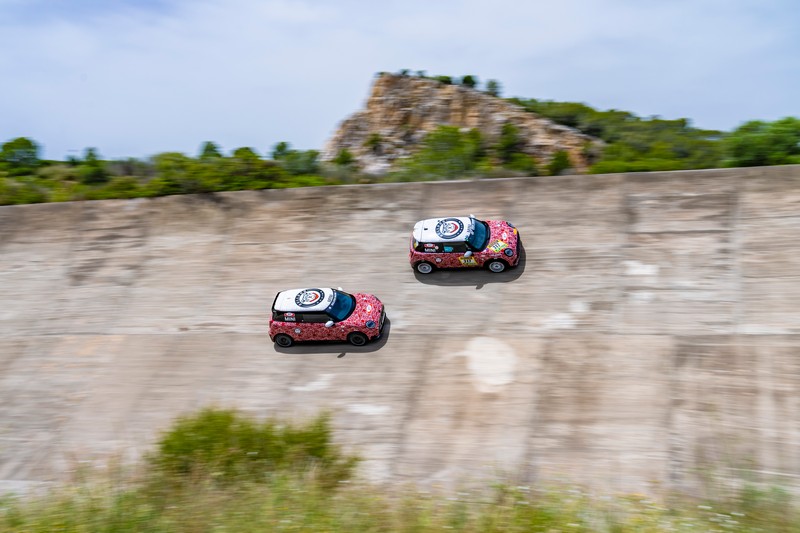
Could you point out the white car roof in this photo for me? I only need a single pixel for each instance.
(444, 229)
(302, 300)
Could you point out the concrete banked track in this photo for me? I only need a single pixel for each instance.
(649, 339)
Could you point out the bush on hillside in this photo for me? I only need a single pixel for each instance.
(559, 164)
(227, 446)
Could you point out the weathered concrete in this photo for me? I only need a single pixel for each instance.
(649, 339)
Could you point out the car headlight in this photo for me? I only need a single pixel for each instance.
(370, 323)
(509, 252)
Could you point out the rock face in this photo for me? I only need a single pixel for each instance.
(402, 110)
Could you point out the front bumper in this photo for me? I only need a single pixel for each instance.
(380, 324)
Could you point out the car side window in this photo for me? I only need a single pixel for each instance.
(429, 247)
(315, 318)
(279, 316)
(455, 247)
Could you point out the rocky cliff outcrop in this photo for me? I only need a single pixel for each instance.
(401, 110)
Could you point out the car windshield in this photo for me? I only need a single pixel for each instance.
(479, 237)
(342, 306)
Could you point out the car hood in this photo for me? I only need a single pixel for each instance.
(502, 235)
(368, 307)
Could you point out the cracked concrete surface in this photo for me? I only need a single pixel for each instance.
(650, 337)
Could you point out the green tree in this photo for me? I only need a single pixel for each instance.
(301, 162)
(447, 80)
(92, 171)
(210, 150)
(20, 156)
(469, 81)
(757, 143)
(246, 154)
(280, 150)
(173, 175)
(246, 170)
(493, 88)
(296, 162)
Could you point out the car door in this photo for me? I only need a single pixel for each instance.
(313, 327)
(456, 257)
(432, 253)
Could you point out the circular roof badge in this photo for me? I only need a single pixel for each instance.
(309, 297)
(449, 228)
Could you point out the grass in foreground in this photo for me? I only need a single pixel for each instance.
(297, 503)
(219, 471)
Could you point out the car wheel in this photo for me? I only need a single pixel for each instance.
(284, 341)
(357, 339)
(496, 266)
(424, 268)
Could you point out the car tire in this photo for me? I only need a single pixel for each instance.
(423, 267)
(357, 339)
(496, 266)
(283, 340)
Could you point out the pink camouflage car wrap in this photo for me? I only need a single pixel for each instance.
(463, 242)
(325, 314)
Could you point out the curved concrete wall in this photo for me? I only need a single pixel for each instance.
(650, 336)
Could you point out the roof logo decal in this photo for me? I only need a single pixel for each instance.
(449, 228)
(309, 297)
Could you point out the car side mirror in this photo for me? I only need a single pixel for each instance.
(329, 324)
(468, 253)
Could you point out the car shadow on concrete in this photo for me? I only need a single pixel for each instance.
(340, 348)
(478, 277)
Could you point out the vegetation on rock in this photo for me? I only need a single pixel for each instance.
(632, 144)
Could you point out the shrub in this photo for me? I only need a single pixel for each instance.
(299, 162)
(510, 142)
(118, 187)
(344, 158)
(92, 170)
(228, 446)
(447, 152)
(523, 163)
(757, 143)
(373, 142)
(642, 165)
(13, 192)
(559, 163)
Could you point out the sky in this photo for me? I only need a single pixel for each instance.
(137, 78)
